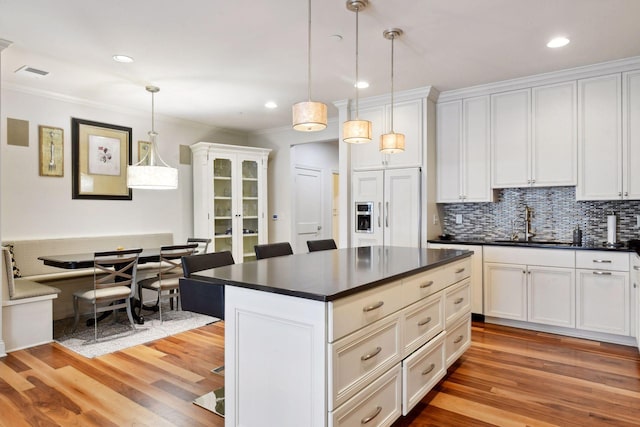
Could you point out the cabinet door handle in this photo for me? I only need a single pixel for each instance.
(429, 369)
(602, 261)
(458, 301)
(426, 285)
(387, 216)
(458, 339)
(626, 193)
(620, 193)
(460, 270)
(636, 267)
(379, 213)
(375, 413)
(373, 306)
(602, 273)
(370, 355)
(424, 322)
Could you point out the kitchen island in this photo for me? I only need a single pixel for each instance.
(340, 337)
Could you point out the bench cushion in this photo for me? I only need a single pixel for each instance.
(25, 288)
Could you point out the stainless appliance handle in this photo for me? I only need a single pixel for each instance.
(387, 216)
(379, 213)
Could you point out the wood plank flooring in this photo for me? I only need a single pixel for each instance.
(509, 377)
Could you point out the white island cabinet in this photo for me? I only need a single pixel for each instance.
(347, 337)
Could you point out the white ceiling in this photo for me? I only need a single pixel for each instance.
(218, 62)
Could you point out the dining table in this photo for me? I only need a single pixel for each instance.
(85, 260)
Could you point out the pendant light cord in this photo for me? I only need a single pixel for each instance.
(392, 39)
(357, 81)
(309, 51)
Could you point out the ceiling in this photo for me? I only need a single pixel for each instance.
(218, 62)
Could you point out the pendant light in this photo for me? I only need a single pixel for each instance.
(151, 172)
(309, 116)
(392, 142)
(356, 131)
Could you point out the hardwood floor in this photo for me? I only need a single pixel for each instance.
(509, 377)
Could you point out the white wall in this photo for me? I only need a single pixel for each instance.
(41, 207)
(279, 172)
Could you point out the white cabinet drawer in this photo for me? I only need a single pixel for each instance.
(421, 371)
(603, 260)
(530, 256)
(377, 405)
(457, 302)
(457, 340)
(356, 311)
(357, 359)
(422, 321)
(424, 284)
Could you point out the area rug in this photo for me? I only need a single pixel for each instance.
(212, 401)
(118, 336)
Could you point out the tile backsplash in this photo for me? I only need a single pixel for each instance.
(555, 215)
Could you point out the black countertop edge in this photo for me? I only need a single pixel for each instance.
(333, 296)
(534, 244)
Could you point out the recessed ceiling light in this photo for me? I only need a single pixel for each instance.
(558, 42)
(362, 84)
(122, 58)
(271, 105)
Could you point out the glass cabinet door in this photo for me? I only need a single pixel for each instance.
(250, 211)
(222, 205)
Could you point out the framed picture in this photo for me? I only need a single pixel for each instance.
(51, 151)
(100, 155)
(143, 150)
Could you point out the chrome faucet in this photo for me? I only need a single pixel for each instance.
(528, 214)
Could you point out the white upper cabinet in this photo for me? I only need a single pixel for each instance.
(600, 138)
(533, 136)
(631, 134)
(408, 119)
(510, 138)
(554, 135)
(463, 151)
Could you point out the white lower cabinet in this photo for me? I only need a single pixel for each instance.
(421, 371)
(603, 301)
(551, 296)
(457, 340)
(505, 291)
(422, 321)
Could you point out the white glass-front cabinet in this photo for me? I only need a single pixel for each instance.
(230, 197)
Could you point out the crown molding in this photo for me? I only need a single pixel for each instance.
(4, 44)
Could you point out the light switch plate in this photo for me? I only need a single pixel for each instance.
(458, 218)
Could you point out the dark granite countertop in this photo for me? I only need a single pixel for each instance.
(329, 275)
(531, 244)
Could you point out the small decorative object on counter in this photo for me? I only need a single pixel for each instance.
(577, 236)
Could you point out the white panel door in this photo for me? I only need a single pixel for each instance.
(449, 152)
(308, 207)
(510, 135)
(603, 301)
(368, 186)
(552, 295)
(631, 134)
(554, 140)
(505, 287)
(599, 138)
(402, 207)
(476, 149)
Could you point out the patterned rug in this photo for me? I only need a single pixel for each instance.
(118, 336)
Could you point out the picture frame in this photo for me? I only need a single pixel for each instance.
(143, 149)
(101, 153)
(50, 151)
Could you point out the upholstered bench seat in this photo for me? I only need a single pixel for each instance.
(25, 288)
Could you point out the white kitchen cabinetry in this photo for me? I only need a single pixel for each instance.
(463, 147)
(396, 198)
(533, 136)
(631, 135)
(535, 285)
(408, 118)
(603, 292)
(230, 197)
(476, 272)
(635, 279)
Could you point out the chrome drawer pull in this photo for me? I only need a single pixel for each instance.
(460, 270)
(374, 306)
(426, 285)
(602, 261)
(372, 416)
(459, 300)
(424, 322)
(636, 267)
(370, 355)
(457, 340)
(429, 369)
(602, 273)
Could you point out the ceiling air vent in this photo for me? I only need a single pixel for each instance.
(31, 72)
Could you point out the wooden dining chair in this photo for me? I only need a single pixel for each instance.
(270, 250)
(321, 245)
(114, 279)
(166, 282)
(203, 244)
